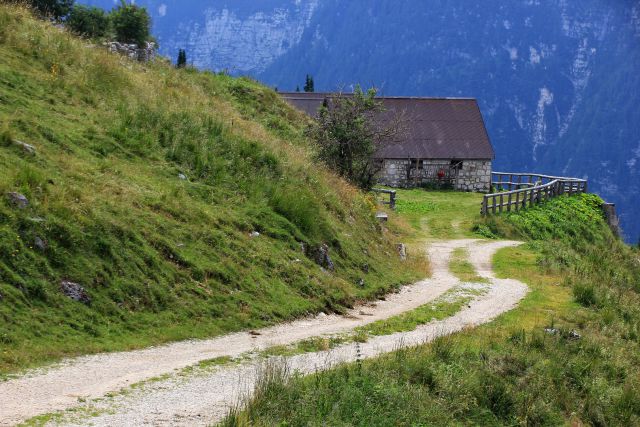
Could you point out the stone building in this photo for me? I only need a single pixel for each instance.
(444, 142)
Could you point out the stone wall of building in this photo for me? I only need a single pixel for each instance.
(465, 175)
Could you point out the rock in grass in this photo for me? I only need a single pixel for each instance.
(320, 254)
(27, 148)
(402, 251)
(182, 176)
(39, 243)
(75, 291)
(18, 200)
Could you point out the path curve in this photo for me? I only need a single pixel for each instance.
(201, 400)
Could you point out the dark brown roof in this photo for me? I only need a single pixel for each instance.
(437, 128)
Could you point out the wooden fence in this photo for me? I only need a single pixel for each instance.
(517, 191)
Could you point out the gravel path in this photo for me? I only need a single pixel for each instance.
(205, 396)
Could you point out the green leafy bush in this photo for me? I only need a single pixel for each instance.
(54, 8)
(484, 231)
(347, 135)
(584, 294)
(91, 22)
(131, 23)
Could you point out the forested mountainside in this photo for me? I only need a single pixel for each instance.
(556, 79)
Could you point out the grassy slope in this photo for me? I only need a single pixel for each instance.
(510, 371)
(439, 214)
(161, 258)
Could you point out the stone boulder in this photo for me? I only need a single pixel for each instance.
(320, 254)
(145, 53)
(27, 148)
(402, 251)
(40, 243)
(18, 200)
(75, 291)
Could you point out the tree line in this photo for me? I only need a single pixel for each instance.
(126, 23)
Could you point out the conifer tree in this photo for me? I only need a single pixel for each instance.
(297, 88)
(308, 84)
(182, 59)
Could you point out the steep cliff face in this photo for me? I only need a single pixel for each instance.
(241, 37)
(556, 79)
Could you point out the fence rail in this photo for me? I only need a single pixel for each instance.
(517, 191)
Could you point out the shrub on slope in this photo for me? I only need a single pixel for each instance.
(161, 257)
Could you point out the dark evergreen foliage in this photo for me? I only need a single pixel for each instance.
(308, 84)
(91, 22)
(182, 59)
(54, 8)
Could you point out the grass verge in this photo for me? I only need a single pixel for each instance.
(462, 268)
(563, 356)
(439, 214)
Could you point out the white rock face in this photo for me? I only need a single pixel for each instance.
(539, 126)
(244, 44)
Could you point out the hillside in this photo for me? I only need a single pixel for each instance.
(568, 355)
(161, 204)
(553, 77)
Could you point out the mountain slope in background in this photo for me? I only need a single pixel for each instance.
(556, 79)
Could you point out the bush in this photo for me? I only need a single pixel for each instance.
(131, 23)
(91, 22)
(54, 8)
(347, 134)
(484, 231)
(584, 294)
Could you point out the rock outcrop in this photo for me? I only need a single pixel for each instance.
(133, 51)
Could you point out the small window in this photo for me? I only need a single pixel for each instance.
(417, 164)
(456, 164)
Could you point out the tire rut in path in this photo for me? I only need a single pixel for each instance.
(203, 399)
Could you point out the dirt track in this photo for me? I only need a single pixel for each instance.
(203, 398)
